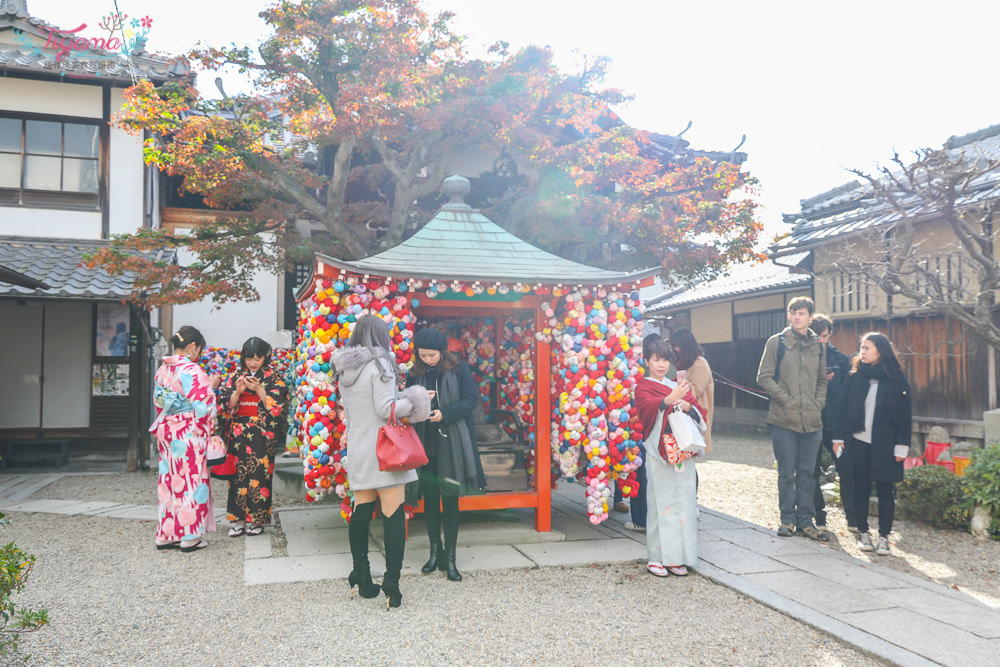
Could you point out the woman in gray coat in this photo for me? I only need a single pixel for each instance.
(368, 379)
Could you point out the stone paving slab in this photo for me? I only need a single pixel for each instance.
(940, 642)
(467, 558)
(19, 487)
(853, 573)
(300, 568)
(256, 548)
(734, 558)
(584, 552)
(110, 511)
(861, 639)
(137, 512)
(309, 518)
(765, 543)
(817, 593)
(969, 615)
(322, 541)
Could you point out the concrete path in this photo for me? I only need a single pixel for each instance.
(892, 615)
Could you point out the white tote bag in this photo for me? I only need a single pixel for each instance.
(686, 432)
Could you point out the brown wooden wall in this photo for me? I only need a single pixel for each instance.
(946, 364)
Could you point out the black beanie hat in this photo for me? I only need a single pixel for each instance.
(430, 338)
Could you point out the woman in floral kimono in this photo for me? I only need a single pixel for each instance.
(253, 405)
(185, 419)
(671, 503)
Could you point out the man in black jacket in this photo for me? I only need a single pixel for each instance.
(837, 367)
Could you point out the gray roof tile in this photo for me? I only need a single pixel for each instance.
(56, 262)
(753, 279)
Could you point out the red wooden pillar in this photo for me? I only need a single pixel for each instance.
(543, 430)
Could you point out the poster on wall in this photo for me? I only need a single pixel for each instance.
(109, 380)
(111, 330)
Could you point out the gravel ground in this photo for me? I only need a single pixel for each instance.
(738, 478)
(113, 600)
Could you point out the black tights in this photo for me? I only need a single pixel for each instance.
(433, 500)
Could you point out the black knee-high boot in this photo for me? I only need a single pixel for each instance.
(432, 517)
(357, 535)
(450, 520)
(395, 543)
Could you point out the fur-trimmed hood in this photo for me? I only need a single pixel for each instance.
(348, 363)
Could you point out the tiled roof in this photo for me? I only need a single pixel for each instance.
(747, 279)
(459, 243)
(28, 54)
(851, 207)
(56, 264)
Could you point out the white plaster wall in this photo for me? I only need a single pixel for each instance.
(68, 341)
(125, 177)
(60, 98)
(49, 223)
(229, 325)
(20, 364)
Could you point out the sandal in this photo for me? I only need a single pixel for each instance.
(814, 533)
(168, 545)
(255, 529)
(200, 544)
(678, 570)
(657, 569)
(236, 531)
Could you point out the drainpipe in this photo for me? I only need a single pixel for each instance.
(991, 374)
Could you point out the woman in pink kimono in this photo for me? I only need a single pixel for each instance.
(185, 419)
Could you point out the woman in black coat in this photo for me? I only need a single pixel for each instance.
(877, 422)
(454, 467)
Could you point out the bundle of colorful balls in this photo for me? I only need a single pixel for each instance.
(225, 362)
(327, 320)
(594, 377)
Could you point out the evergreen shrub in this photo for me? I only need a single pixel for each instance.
(934, 495)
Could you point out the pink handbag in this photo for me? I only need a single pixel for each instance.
(398, 446)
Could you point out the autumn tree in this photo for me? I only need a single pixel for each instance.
(362, 107)
(931, 246)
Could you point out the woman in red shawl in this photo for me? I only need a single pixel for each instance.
(671, 505)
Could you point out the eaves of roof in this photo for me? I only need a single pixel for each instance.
(54, 266)
(748, 280)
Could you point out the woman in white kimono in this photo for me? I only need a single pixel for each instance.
(672, 506)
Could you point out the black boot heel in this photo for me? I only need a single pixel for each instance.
(393, 598)
(449, 566)
(363, 580)
(435, 560)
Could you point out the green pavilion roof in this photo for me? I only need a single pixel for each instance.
(459, 243)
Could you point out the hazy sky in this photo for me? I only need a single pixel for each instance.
(816, 88)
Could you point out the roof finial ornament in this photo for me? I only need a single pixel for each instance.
(456, 187)
(15, 7)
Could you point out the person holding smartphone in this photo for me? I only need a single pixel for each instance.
(254, 402)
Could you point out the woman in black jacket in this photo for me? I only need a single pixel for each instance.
(454, 467)
(877, 420)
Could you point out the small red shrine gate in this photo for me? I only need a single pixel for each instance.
(462, 265)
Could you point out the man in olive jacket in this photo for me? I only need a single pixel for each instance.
(793, 371)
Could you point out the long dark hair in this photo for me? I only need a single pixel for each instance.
(185, 336)
(255, 347)
(686, 348)
(886, 356)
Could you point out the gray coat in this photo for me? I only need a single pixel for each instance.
(367, 396)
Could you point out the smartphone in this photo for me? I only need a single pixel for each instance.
(682, 375)
(832, 369)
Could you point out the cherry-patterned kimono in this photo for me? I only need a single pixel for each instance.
(251, 431)
(185, 418)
